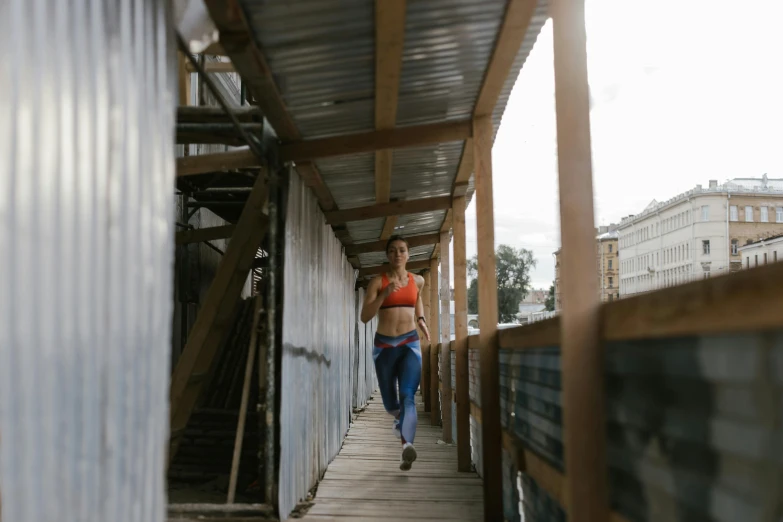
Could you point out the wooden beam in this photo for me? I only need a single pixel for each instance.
(446, 226)
(461, 337)
(411, 206)
(445, 336)
(239, 43)
(214, 317)
(389, 41)
(425, 350)
(436, 250)
(183, 80)
(204, 234)
(399, 137)
(380, 246)
(713, 306)
(214, 67)
(488, 321)
(388, 227)
(582, 355)
(509, 40)
(511, 34)
(312, 178)
(379, 269)
(464, 171)
(435, 335)
(217, 162)
(205, 114)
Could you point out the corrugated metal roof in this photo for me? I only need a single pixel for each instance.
(322, 56)
(424, 172)
(448, 44)
(351, 179)
(378, 258)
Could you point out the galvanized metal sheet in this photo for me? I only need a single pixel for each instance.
(322, 55)
(448, 44)
(693, 427)
(319, 328)
(351, 179)
(378, 258)
(86, 171)
(530, 400)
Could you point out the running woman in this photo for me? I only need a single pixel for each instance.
(395, 298)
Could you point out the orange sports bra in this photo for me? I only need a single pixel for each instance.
(405, 296)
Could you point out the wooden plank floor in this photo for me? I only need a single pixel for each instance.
(365, 483)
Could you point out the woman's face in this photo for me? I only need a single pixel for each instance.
(397, 253)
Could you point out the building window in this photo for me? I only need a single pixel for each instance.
(705, 247)
(705, 213)
(747, 262)
(756, 263)
(734, 215)
(765, 258)
(610, 248)
(775, 256)
(610, 264)
(611, 282)
(734, 247)
(764, 214)
(748, 213)
(779, 214)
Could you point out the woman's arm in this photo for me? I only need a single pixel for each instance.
(374, 298)
(419, 310)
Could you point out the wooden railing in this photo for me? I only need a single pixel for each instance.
(692, 385)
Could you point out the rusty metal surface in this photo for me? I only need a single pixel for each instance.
(86, 171)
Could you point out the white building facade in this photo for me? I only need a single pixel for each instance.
(688, 237)
(762, 252)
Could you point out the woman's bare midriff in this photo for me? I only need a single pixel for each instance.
(394, 322)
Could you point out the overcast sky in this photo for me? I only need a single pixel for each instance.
(683, 91)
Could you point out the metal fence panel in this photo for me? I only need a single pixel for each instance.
(319, 316)
(86, 223)
(694, 427)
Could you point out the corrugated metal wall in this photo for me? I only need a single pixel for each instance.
(86, 223)
(361, 356)
(319, 329)
(694, 427)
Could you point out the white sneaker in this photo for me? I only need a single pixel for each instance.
(396, 429)
(408, 456)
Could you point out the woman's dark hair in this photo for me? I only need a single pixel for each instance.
(396, 238)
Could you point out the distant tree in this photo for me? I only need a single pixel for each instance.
(550, 299)
(513, 279)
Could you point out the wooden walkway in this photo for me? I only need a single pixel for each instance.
(364, 482)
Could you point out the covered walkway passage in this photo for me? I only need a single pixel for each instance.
(364, 481)
(187, 244)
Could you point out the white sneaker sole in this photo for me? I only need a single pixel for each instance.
(408, 457)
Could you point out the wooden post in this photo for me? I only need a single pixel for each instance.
(434, 334)
(425, 347)
(240, 436)
(461, 336)
(445, 335)
(582, 360)
(491, 439)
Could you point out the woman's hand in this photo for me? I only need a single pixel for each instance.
(424, 329)
(392, 287)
